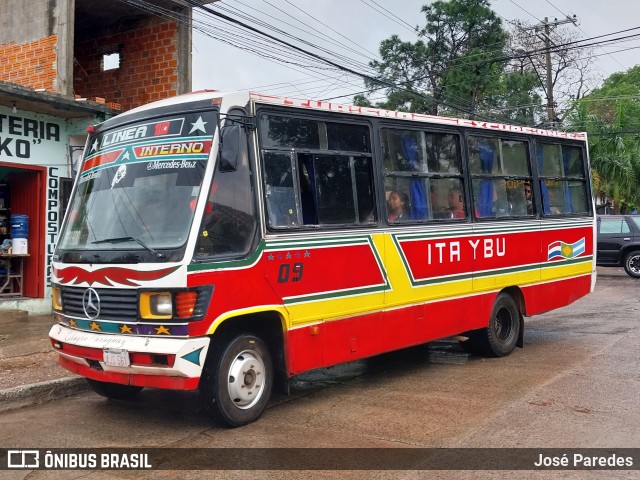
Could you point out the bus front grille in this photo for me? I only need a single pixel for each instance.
(115, 304)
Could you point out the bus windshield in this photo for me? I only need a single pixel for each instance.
(139, 185)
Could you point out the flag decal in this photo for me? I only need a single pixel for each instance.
(561, 250)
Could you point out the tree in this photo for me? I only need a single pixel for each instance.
(571, 74)
(516, 99)
(611, 115)
(449, 68)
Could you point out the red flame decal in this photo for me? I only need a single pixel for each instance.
(123, 276)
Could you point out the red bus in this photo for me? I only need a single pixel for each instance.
(226, 242)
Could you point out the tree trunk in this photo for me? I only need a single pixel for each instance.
(616, 198)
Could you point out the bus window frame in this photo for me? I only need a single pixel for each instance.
(426, 128)
(294, 152)
(585, 179)
(247, 149)
(528, 140)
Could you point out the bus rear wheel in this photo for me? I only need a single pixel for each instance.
(500, 337)
(237, 380)
(114, 390)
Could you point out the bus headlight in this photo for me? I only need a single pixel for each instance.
(179, 304)
(156, 305)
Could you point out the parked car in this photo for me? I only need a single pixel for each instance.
(619, 243)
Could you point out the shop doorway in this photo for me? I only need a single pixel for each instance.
(24, 188)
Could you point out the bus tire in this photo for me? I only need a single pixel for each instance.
(632, 264)
(237, 380)
(501, 336)
(113, 390)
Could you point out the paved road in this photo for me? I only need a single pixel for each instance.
(575, 384)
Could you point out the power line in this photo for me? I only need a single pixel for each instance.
(330, 28)
(525, 10)
(235, 39)
(327, 60)
(394, 15)
(301, 53)
(324, 35)
(257, 46)
(513, 57)
(580, 28)
(402, 23)
(560, 47)
(251, 18)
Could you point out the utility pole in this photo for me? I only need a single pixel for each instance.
(551, 113)
(545, 27)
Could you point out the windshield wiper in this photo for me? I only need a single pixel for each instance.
(129, 239)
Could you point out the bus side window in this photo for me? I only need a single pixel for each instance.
(316, 172)
(334, 190)
(229, 222)
(501, 177)
(280, 191)
(563, 181)
(424, 167)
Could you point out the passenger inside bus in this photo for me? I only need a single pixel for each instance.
(438, 209)
(528, 197)
(397, 206)
(456, 203)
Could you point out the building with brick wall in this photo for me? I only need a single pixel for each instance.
(65, 65)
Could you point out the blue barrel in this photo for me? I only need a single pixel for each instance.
(19, 226)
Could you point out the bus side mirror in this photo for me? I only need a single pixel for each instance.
(231, 147)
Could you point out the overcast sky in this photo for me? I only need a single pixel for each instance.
(357, 30)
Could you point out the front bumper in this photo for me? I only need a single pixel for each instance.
(82, 353)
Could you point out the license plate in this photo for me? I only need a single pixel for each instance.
(116, 358)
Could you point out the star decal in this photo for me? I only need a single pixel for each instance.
(297, 254)
(95, 326)
(162, 330)
(306, 254)
(288, 256)
(198, 125)
(94, 145)
(73, 323)
(125, 329)
(270, 257)
(126, 155)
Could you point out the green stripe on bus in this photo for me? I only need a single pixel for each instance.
(335, 295)
(198, 267)
(320, 242)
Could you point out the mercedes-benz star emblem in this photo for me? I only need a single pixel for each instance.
(91, 303)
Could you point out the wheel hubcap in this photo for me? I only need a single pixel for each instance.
(503, 324)
(634, 264)
(246, 379)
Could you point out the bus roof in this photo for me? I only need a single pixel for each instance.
(244, 97)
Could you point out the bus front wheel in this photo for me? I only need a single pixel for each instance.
(500, 337)
(237, 380)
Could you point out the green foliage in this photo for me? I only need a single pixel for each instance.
(611, 117)
(449, 68)
(517, 98)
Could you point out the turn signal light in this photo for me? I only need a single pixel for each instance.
(185, 304)
(56, 298)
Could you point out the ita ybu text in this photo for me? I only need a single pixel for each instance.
(443, 251)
